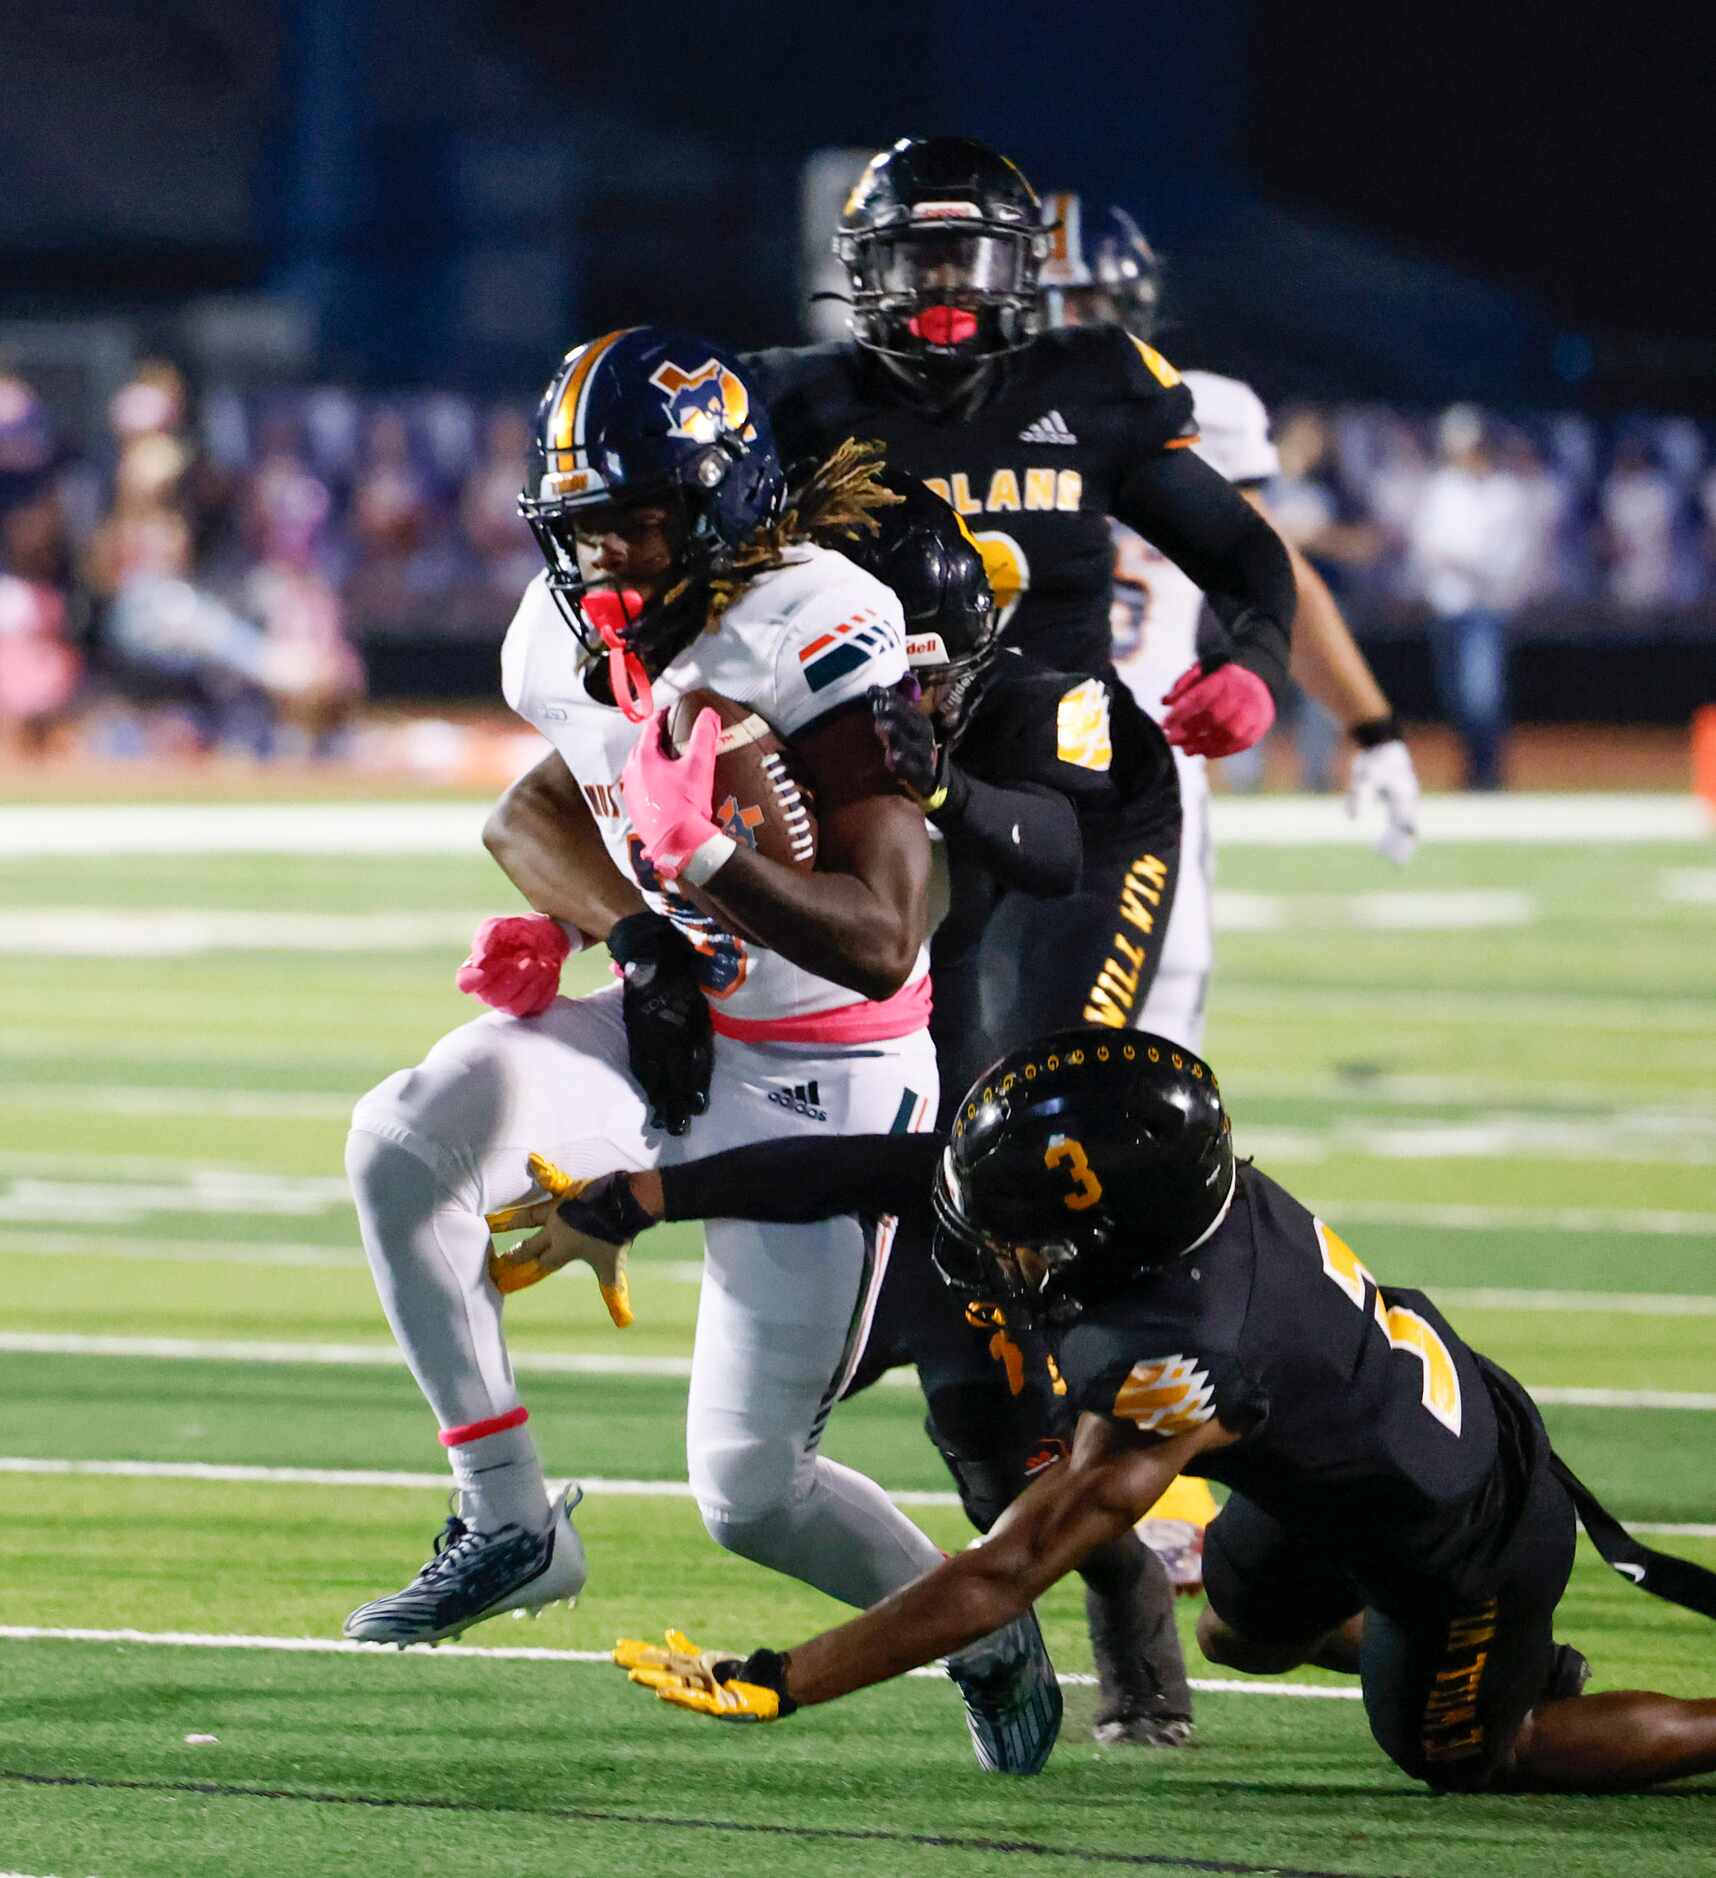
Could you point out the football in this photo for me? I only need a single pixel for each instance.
(760, 798)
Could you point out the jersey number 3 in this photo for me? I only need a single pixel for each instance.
(1404, 1329)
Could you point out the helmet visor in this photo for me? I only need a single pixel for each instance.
(921, 263)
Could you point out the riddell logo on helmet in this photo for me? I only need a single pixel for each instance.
(946, 212)
(705, 402)
(926, 649)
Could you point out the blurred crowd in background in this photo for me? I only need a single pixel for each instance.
(209, 574)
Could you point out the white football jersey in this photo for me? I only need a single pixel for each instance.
(800, 641)
(1155, 608)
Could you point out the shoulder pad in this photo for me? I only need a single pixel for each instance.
(842, 633)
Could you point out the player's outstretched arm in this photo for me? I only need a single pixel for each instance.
(861, 914)
(794, 1180)
(544, 839)
(1111, 1481)
(1207, 528)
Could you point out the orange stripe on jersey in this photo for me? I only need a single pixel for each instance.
(1182, 443)
(566, 412)
(1160, 369)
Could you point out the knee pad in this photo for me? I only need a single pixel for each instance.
(747, 1483)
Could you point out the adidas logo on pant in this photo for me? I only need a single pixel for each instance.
(1051, 428)
(803, 1099)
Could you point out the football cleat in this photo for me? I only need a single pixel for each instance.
(1145, 1701)
(477, 1575)
(1012, 1698)
(1568, 1674)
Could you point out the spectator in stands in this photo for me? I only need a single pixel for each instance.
(1312, 506)
(392, 521)
(1639, 509)
(488, 510)
(1471, 541)
(308, 666)
(40, 668)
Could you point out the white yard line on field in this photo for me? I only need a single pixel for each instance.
(1602, 1303)
(1404, 1008)
(1454, 1216)
(79, 1246)
(235, 1474)
(339, 1646)
(429, 827)
(1425, 909)
(190, 932)
(1359, 1089)
(566, 1363)
(147, 1099)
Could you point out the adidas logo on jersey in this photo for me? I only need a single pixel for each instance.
(1051, 428)
(803, 1099)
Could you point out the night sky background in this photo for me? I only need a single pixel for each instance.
(1514, 201)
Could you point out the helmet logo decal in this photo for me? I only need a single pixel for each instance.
(704, 403)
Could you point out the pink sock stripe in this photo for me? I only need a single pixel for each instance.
(474, 1431)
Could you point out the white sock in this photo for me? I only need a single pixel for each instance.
(500, 1480)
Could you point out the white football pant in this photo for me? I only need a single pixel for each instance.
(784, 1310)
(1174, 1004)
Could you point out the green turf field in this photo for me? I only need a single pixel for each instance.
(1520, 1116)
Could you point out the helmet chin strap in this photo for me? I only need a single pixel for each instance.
(611, 610)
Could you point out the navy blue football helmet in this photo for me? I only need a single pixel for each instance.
(1108, 274)
(638, 417)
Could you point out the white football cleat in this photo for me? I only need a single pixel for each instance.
(477, 1575)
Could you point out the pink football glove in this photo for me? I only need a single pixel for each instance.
(1217, 713)
(671, 799)
(515, 963)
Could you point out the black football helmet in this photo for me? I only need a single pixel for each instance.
(941, 239)
(1106, 275)
(644, 416)
(1077, 1166)
(924, 552)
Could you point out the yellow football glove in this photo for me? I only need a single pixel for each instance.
(689, 1678)
(553, 1243)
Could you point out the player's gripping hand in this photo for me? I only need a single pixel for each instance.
(709, 1682)
(1217, 709)
(514, 964)
(909, 749)
(671, 799)
(1382, 775)
(670, 1041)
(592, 1220)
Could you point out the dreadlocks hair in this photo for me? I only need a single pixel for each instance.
(837, 499)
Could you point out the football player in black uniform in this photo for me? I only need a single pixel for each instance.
(1042, 785)
(1395, 1508)
(1034, 437)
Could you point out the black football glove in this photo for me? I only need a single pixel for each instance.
(670, 1042)
(909, 748)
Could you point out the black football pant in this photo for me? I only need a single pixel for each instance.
(1449, 1675)
(1087, 957)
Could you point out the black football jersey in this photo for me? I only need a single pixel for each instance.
(1035, 470)
(1369, 1423)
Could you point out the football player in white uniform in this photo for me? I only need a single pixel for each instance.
(678, 561)
(1114, 276)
